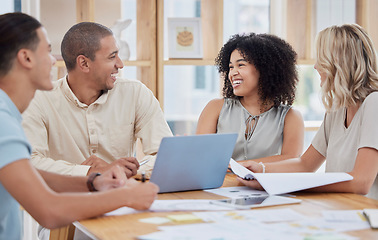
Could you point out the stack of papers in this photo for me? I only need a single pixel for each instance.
(283, 224)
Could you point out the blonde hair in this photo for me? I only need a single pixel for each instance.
(347, 56)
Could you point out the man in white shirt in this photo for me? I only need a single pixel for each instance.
(51, 199)
(91, 120)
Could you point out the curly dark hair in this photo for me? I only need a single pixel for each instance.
(275, 60)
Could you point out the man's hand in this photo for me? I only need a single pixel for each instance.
(143, 194)
(112, 178)
(128, 165)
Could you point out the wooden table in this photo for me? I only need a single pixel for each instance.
(128, 226)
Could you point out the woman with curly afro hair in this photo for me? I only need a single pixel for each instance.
(260, 78)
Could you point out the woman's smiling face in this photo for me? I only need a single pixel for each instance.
(243, 75)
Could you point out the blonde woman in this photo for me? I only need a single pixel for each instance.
(348, 137)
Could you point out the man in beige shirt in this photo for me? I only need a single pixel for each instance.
(91, 120)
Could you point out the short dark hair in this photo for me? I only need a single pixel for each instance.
(82, 39)
(17, 31)
(275, 60)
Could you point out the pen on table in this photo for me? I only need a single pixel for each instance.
(143, 176)
(144, 162)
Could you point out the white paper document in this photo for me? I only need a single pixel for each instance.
(240, 170)
(267, 216)
(280, 183)
(248, 229)
(184, 205)
(171, 206)
(237, 230)
(343, 216)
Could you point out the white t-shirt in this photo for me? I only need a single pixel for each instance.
(340, 144)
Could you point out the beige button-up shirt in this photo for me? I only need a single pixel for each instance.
(64, 132)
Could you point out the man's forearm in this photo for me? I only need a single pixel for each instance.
(62, 183)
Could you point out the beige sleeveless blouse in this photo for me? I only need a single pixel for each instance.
(264, 135)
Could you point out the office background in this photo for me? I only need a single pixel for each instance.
(184, 86)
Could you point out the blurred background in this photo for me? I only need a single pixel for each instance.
(184, 86)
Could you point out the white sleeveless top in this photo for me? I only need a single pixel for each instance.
(265, 135)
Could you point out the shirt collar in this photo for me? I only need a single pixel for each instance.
(72, 97)
(11, 106)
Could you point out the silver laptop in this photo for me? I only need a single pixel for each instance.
(192, 162)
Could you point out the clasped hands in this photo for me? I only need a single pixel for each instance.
(129, 165)
(117, 175)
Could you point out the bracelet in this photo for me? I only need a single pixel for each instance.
(263, 166)
(90, 180)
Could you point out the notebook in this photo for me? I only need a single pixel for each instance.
(192, 162)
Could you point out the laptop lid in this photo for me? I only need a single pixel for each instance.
(192, 162)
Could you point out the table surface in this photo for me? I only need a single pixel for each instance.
(128, 226)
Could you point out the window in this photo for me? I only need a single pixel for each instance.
(308, 102)
(185, 95)
(187, 88)
(128, 11)
(244, 16)
(10, 6)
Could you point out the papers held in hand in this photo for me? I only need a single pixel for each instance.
(280, 183)
(240, 170)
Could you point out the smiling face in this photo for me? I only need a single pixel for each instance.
(243, 75)
(41, 73)
(106, 64)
